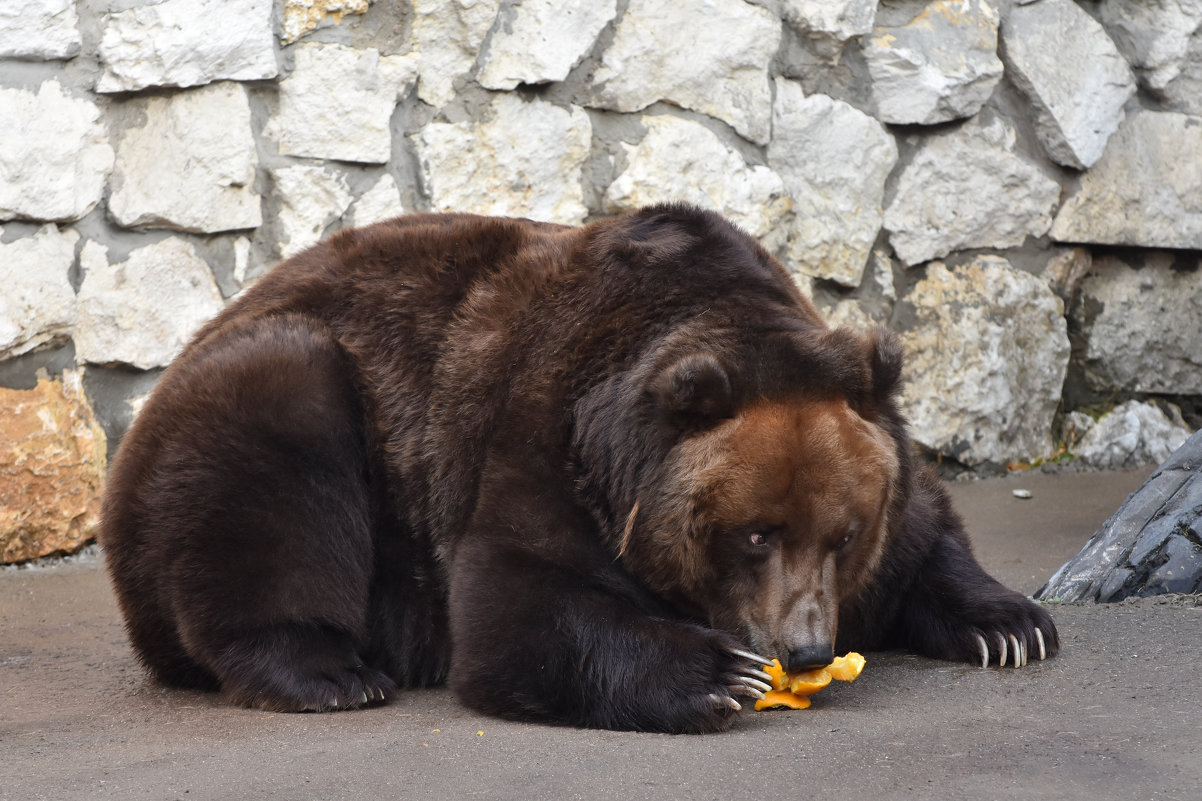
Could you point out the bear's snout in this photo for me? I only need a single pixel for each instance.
(810, 657)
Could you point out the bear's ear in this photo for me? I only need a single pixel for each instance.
(695, 390)
(886, 360)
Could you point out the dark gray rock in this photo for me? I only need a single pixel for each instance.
(1151, 545)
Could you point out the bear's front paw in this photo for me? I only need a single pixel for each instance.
(1014, 629)
(715, 681)
(1001, 627)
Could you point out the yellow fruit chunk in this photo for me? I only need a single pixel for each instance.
(846, 668)
(793, 691)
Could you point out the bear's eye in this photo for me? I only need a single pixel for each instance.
(759, 538)
(847, 538)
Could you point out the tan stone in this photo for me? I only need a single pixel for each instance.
(305, 16)
(52, 460)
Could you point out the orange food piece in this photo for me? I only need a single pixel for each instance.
(846, 668)
(793, 691)
(776, 699)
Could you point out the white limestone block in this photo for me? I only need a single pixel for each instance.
(305, 16)
(1146, 190)
(986, 354)
(142, 311)
(338, 103)
(187, 43)
(543, 42)
(834, 161)
(191, 166)
(56, 156)
(39, 30)
(310, 200)
(683, 161)
(1075, 78)
(447, 36)
(939, 63)
(523, 160)
(37, 304)
(717, 63)
(968, 188)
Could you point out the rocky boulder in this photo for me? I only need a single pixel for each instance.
(1151, 545)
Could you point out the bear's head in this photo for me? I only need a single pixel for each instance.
(772, 501)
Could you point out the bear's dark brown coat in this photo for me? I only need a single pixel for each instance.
(575, 471)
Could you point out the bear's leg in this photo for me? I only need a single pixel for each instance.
(257, 509)
(954, 609)
(581, 645)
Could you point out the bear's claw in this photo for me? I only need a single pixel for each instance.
(749, 686)
(726, 701)
(1010, 646)
(749, 679)
(760, 660)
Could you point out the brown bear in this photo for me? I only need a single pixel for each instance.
(587, 475)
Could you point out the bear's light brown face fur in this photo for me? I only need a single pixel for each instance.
(772, 519)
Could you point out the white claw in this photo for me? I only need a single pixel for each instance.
(1017, 653)
(364, 699)
(749, 655)
(759, 674)
(752, 691)
(756, 683)
(1002, 661)
(1043, 654)
(984, 650)
(1024, 644)
(725, 700)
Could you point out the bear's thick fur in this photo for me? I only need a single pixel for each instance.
(577, 472)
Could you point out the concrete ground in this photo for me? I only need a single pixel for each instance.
(1117, 716)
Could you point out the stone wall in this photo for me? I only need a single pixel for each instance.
(1015, 187)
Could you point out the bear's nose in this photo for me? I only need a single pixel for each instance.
(811, 657)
